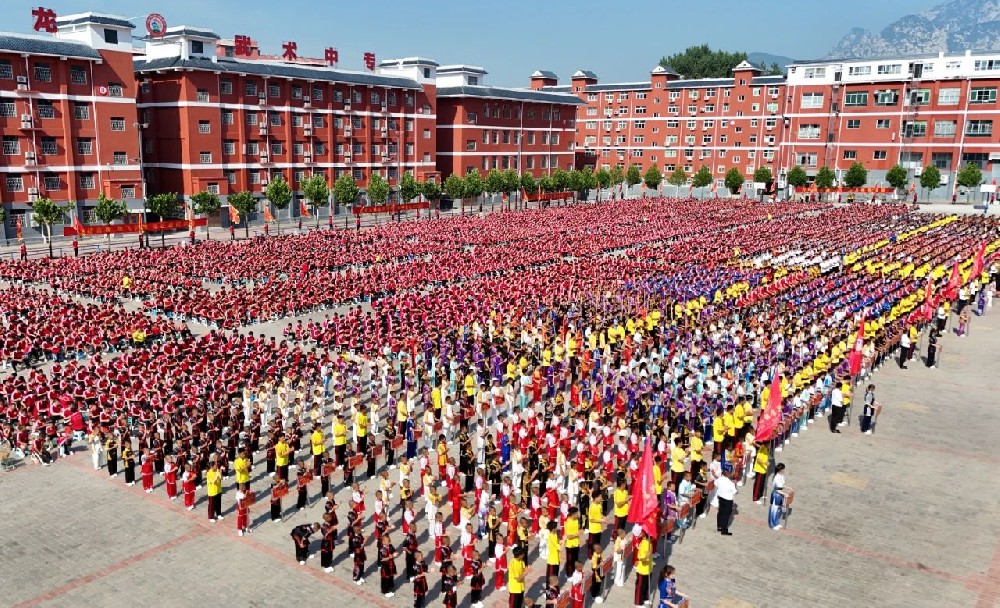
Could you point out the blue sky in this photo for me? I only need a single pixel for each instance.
(619, 41)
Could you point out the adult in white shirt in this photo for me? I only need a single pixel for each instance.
(837, 408)
(725, 493)
(904, 349)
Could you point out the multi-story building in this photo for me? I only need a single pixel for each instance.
(68, 117)
(224, 124)
(916, 111)
(676, 123)
(484, 127)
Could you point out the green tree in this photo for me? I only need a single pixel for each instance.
(856, 176)
(548, 183)
(617, 176)
(678, 178)
(896, 176)
(561, 179)
(431, 191)
(797, 177)
(603, 177)
(205, 203)
(494, 181)
(345, 190)
(454, 187)
(3, 215)
(633, 175)
(408, 187)
(653, 178)
(244, 203)
(317, 193)
(109, 210)
(702, 178)
(970, 176)
(279, 194)
(474, 185)
(930, 179)
(702, 62)
(774, 70)
(528, 184)
(163, 206)
(734, 180)
(46, 213)
(763, 175)
(511, 183)
(378, 189)
(825, 178)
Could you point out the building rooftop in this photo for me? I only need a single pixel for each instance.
(544, 74)
(544, 96)
(186, 30)
(403, 61)
(975, 53)
(461, 68)
(584, 74)
(675, 84)
(274, 69)
(663, 69)
(32, 44)
(96, 18)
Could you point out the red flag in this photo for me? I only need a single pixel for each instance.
(77, 225)
(854, 359)
(190, 214)
(503, 197)
(913, 187)
(643, 505)
(977, 264)
(234, 215)
(303, 210)
(691, 190)
(928, 308)
(769, 419)
(268, 216)
(954, 282)
(17, 226)
(142, 223)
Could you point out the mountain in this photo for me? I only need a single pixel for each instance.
(765, 60)
(954, 27)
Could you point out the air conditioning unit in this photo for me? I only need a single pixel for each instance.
(32, 191)
(308, 131)
(22, 87)
(347, 132)
(22, 80)
(262, 130)
(262, 99)
(347, 106)
(25, 118)
(263, 158)
(347, 158)
(385, 107)
(264, 182)
(385, 132)
(29, 158)
(386, 158)
(308, 158)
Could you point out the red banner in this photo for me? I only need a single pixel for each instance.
(844, 190)
(550, 196)
(132, 228)
(389, 208)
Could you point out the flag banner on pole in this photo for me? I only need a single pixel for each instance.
(854, 359)
(954, 282)
(642, 509)
(268, 216)
(768, 420)
(303, 210)
(234, 215)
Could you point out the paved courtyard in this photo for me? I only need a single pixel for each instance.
(909, 516)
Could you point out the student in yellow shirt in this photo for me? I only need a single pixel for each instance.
(595, 523)
(317, 441)
(282, 457)
(677, 456)
(621, 503)
(572, 532)
(242, 467)
(213, 482)
(339, 440)
(515, 578)
(760, 464)
(552, 550)
(696, 451)
(643, 566)
(361, 421)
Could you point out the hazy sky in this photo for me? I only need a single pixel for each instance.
(619, 41)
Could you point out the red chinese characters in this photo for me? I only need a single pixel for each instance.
(45, 19)
(331, 55)
(370, 61)
(291, 51)
(241, 45)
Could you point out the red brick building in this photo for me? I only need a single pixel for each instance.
(68, 117)
(228, 124)
(676, 123)
(916, 111)
(484, 127)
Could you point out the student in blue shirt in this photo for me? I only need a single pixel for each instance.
(669, 597)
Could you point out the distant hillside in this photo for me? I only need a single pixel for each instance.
(766, 59)
(954, 27)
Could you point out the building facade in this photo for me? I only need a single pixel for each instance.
(483, 127)
(915, 111)
(670, 122)
(68, 117)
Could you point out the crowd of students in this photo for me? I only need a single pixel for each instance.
(492, 395)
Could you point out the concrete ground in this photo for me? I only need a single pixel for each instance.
(905, 517)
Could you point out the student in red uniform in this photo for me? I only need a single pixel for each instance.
(146, 470)
(170, 478)
(188, 486)
(242, 512)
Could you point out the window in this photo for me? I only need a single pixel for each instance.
(197, 47)
(917, 128)
(319, 148)
(945, 128)
(227, 117)
(949, 97)
(809, 131)
(115, 89)
(941, 160)
(920, 97)
(640, 109)
(77, 74)
(119, 158)
(859, 70)
(886, 98)
(880, 155)
(356, 122)
(250, 88)
(250, 118)
(15, 183)
(806, 159)
(226, 87)
(979, 128)
(890, 68)
(317, 94)
(470, 145)
(296, 120)
(853, 123)
(273, 90)
(49, 147)
(6, 72)
(983, 95)
(84, 146)
(856, 99)
(276, 148)
(252, 148)
(812, 100)
(52, 182)
(984, 65)
(883, 123)
(117, 124)
(128, 191)
(274, 118)
(11, 146)
(86, 181)
(255, 177)
(229, 147)
(43, 72)
(811, 73)
(45, 109)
